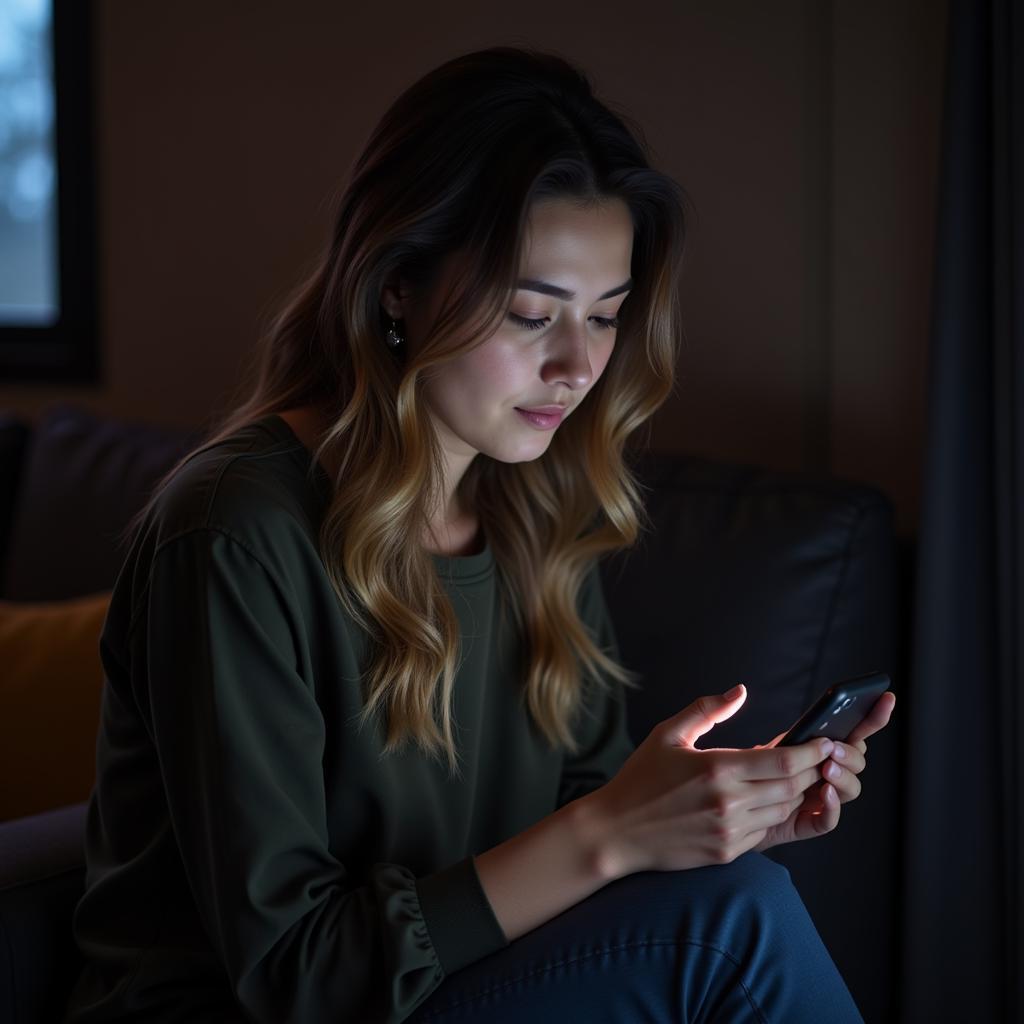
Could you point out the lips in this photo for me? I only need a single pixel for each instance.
(543, 417)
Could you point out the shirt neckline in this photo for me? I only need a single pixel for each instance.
(463, 568)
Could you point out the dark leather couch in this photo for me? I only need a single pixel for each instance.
(783, 582)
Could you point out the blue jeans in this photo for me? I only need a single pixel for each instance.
(728, 943)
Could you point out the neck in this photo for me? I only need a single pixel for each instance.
(455, 531)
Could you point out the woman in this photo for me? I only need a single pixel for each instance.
(363, 753)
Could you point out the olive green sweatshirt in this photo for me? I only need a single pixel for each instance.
(251, 855)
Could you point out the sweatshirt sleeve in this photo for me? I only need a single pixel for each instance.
(240, 738)
(602, 733)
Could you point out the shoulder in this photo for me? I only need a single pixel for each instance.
(247, 507)
(255, 485)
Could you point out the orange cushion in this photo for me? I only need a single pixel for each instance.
(51, 679)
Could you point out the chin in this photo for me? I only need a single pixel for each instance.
(520, 452)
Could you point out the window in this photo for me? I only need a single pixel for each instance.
(47, 222)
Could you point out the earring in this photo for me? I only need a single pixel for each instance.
(393, 338)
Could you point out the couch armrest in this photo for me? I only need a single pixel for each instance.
(42, 875)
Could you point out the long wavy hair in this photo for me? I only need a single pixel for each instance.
(455, 164)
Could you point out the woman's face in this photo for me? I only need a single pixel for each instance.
(506, 396)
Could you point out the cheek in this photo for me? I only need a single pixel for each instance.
(495, 368)
(600, 355)
(471, 385)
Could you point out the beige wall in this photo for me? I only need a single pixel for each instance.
(806, 133)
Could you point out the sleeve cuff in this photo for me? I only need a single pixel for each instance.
(459, 918)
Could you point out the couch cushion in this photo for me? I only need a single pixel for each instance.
(84, 478)
(50, 686)
(42, 876)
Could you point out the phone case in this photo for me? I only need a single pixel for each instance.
(838, 711)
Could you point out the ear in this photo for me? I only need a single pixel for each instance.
(391, 294)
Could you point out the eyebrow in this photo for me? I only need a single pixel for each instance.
(527, 284)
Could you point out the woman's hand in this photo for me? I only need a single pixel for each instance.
(672, 806)
(818, 812)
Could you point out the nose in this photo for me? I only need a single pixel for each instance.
(567, 359)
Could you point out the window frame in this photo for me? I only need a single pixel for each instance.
(67, 350)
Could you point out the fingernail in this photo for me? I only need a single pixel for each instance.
(839, 751)
(832, 770)
(733, 693)
(826, 747)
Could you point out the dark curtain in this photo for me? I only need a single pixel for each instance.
(962, 952)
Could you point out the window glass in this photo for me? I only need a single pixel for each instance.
(29, 284)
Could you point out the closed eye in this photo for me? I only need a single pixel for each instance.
(604, 322)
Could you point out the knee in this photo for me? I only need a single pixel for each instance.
(753, 870)
(752, 893)
(758, 882)
(753, 889)
(758, 907)
(752, 884)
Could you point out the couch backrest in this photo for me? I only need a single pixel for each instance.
(780, 581)
(82, 478)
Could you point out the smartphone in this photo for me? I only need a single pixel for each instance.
(838, 711)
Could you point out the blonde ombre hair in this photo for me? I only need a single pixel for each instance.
(454, 166)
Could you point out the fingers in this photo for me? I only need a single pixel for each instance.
(825, 819)
(820, 812)
(703, 715)
(843, 767)
(766, 792)
(772, 815)
(814, 815)
(777, 762)
(877, 718)
(850, 757)
(844, 781)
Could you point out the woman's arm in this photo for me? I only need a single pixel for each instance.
(240, 739)
(670, 807)
(546, 869)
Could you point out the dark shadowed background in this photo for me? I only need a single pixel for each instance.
(805, 131)
(853, 303)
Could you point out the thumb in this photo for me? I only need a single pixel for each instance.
(704, 714)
